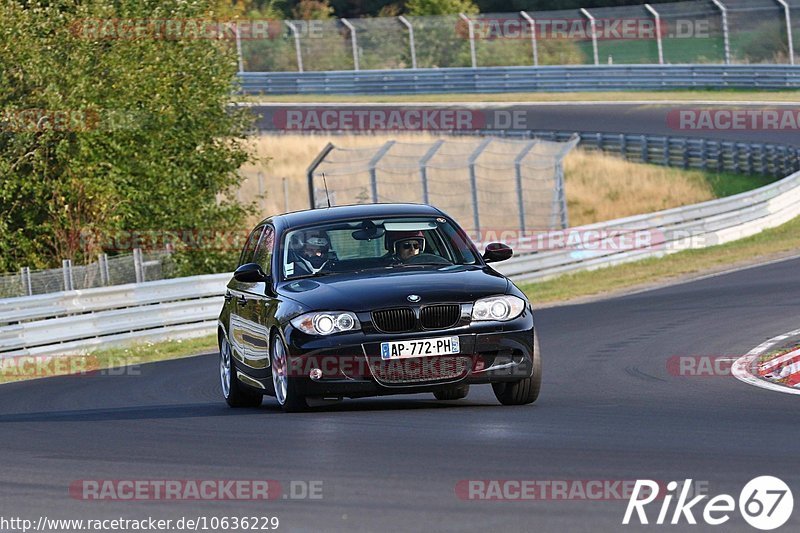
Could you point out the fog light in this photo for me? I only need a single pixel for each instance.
(315, 374)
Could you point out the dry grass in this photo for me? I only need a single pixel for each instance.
(603, 187)
(599, 187)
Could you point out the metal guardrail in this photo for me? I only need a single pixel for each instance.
(767, 159)
(71, 321)
(523, 79)
(673, 230)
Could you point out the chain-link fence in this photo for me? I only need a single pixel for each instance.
(698, 31)
(135, 267)
(484, 183)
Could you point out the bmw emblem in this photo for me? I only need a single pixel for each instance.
(413, 298)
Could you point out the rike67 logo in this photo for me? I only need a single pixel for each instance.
(765, 503)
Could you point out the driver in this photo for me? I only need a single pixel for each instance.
(315, 252)
(406, 244)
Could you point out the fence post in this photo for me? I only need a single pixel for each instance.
(685, 154)
(593, 26)
(704, 154)
(623, 145)
(471, 39)
(725, 35)
(66, 268)
(297, 49)
(473, 182)
(373, 175)
(239, 48)
(659, 37)
(788, 15)
(423, 169)
(25, 274)
(353, 42)
(411, 44)
(645, 150)
(138, 267)
(518, 174)
(310, 173)
(102, 262)
(534, 43)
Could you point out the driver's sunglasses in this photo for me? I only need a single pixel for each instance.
(410, 245)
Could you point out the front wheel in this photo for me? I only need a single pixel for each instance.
(284, 385)
(524, 391)
(234, 392)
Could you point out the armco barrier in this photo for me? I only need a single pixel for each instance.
(523, 79)
(77, 320)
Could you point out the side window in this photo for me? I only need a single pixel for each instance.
(250, 246)
(263, 253)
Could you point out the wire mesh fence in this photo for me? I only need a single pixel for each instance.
(696, 31)
(135, 267)
(484, 182)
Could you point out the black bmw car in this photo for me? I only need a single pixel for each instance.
(368, 300)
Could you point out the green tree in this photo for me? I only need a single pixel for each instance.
(148, 143)
(440, 7)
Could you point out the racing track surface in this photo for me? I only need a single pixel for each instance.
(609, 410)
(603, 117)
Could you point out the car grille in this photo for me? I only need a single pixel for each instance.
(439, 316)
(419, 369)
(394, 320)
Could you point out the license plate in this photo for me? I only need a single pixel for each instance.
(420, 348)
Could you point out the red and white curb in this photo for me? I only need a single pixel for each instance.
(786, 366)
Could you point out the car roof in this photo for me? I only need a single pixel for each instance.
(346, 212)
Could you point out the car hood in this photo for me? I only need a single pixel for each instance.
(375, 289)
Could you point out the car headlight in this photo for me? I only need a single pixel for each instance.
(325, 323)
(503, 307)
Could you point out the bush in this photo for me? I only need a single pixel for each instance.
(150, 142)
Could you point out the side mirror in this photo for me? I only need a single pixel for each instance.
(497, 251)
(250, 273)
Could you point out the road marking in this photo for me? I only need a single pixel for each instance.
(741, 368)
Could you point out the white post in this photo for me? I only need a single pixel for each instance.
(408, 25)
(657, 18)
(297, 48)
(471, 39)
(66, 267)
(788, 14)
(593, 25)
(353, 42)
(725, 36)
(534, 43)
(239, 48)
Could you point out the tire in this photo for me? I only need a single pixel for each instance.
(284, 386)
(235, 393)
(456, 392)
(524, 391)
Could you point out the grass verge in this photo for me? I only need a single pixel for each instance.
(767, 244)
(731, 95)
(34, 367)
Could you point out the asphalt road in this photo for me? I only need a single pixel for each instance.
(654, 119)
(609, 410)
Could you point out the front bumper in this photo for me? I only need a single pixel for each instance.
(351, 366)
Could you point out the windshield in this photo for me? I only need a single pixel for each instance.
(363, 244)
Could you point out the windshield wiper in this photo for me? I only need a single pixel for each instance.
(313, 275)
